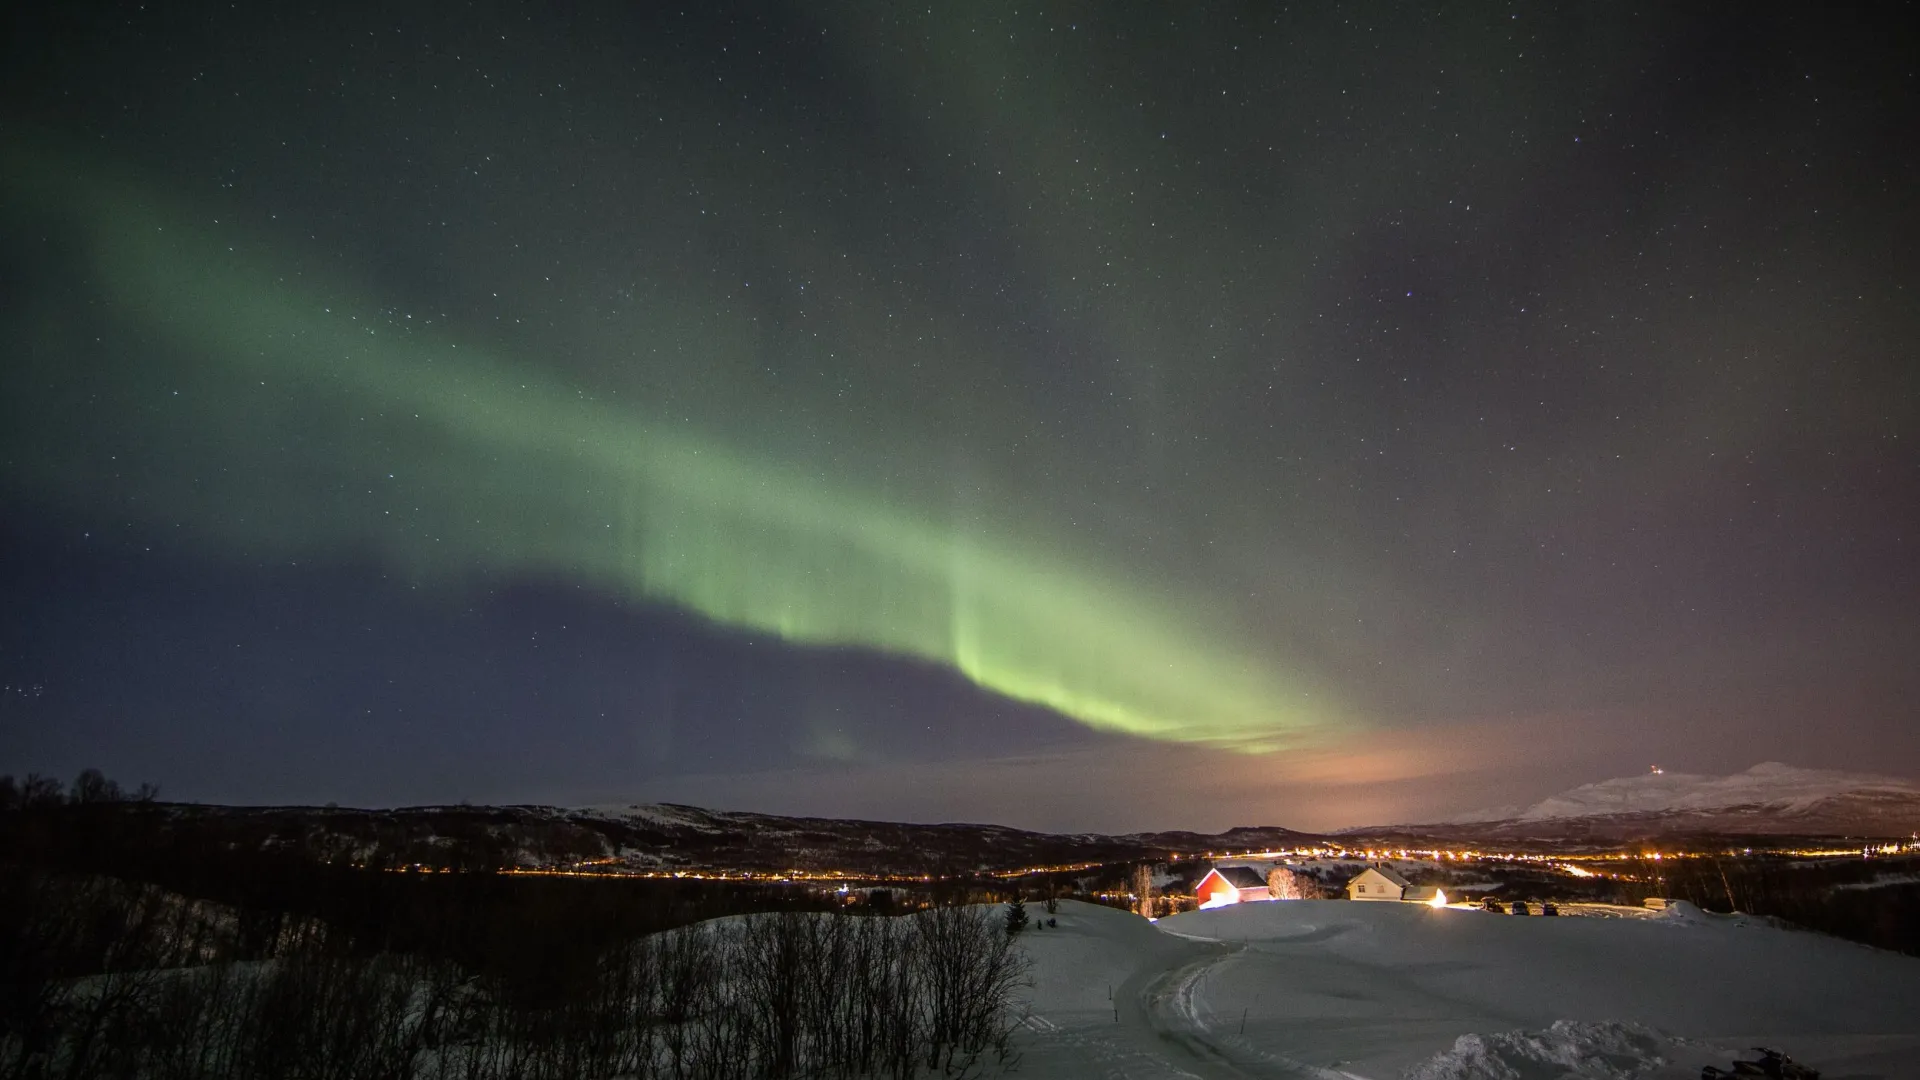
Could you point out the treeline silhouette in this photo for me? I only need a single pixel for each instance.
(1872, 901)
(91, 786)
(131, 949)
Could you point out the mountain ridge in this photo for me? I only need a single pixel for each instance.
(673, 837)
(1769, 783)
(1769, 799)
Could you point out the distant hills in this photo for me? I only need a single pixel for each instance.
(665, 837)
(1770, 799)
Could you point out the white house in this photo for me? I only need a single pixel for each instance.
(1376, 883)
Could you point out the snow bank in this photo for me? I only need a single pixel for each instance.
(1880, 881)
(1567, 1050)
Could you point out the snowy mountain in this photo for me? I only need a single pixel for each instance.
(1782, 788)
(1768, 799)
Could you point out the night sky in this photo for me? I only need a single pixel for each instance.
(1078, 417)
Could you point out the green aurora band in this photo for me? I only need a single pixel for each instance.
(279, 424)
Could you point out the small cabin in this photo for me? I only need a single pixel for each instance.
(1225, 885)
(1430, 895)
(1377, 883)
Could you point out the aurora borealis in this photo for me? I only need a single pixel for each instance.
(996, 412)
(522, 473)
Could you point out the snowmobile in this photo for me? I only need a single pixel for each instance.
(1772, 1064)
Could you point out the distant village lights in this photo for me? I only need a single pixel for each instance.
(1608, 864)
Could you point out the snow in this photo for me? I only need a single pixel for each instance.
(1771, 784)
(1566, 1048)
(1880, 881)
(657, 814)
(1336, 989)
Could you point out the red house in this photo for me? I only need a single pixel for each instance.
(1231, 885)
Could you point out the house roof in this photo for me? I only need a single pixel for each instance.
(1241, 877)
(1384, 871)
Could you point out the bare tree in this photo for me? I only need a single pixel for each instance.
(37, 790)
(92, 786)
(137, 981)
(1284, 884)
(1143, 889)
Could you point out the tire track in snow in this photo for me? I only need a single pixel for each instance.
(1165, 1004)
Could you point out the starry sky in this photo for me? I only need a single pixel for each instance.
(1076, 417)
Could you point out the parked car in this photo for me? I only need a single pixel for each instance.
(1549, 908)
(1494, 905)
(1520, 908)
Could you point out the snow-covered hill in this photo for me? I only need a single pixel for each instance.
(1782, 788)
(1770, 798)
(665, 837)
(1334, 989)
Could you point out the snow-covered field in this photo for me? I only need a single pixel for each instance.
(1340, 989)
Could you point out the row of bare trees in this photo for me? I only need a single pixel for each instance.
(106, 979)
(91, 787)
